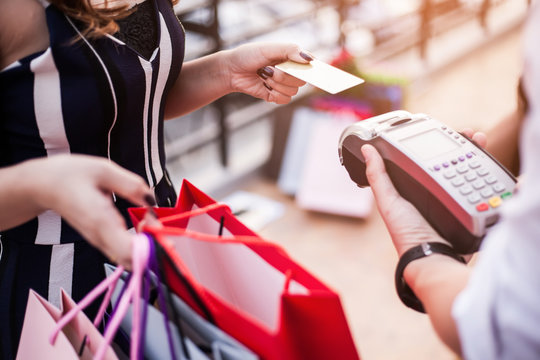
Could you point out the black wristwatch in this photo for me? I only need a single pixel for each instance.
(404, 292)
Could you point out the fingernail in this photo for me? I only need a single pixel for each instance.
(150, 200)
(261, 74)
(267, 86)
(306, 56)
(365, 153)
(268, 71)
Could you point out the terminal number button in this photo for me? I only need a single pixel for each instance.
(467, 189)
(473, 198)
(450, 173)
(491, 179)
(482, 171)
(470, 176)
(499, 187)
(462, 169)
(474, 164)
(478, 184)
(457, 182)
(487, 192)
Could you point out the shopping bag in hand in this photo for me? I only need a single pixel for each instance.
(78, 340)
(249, 287)
(50, 333)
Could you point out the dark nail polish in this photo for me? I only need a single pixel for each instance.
(268, 71)
(261, 74)
(306, 56)
(150, 200)
(267, 86)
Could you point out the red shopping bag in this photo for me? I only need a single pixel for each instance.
(249, 287)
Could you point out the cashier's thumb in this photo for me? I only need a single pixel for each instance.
(375, 171)
(367, 151)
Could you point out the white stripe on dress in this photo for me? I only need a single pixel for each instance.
(165, 59)
(49, 228)
(50, 123)
(48, 113)
(147, 68)
(48, 104)
(61, 272)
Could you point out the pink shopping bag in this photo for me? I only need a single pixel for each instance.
(52, 333)
(79, 339)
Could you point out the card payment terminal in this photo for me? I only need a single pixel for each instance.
(456, 185)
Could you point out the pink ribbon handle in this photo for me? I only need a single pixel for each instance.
(140, 257)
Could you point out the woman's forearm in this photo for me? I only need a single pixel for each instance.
(201, 81)
(17, 198)
(437, 280)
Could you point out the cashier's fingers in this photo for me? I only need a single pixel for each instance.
(405, 224)
(478, 137)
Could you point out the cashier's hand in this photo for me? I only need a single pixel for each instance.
(252, 70)
(406, 225)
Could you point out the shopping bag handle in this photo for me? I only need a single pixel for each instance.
(245, 239)
(107, 284)
(166, 302)
(140, 254)
(197, 235)
(196, 212)
(150, 280)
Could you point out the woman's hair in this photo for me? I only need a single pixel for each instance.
(98, 21)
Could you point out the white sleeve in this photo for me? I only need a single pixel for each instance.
(498, 313)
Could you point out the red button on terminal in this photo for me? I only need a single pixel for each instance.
(482, 207)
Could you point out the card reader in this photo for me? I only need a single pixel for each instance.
(456, 185)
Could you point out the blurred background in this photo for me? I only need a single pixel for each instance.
(278, 166)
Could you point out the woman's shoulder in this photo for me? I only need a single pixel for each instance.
(23, 30)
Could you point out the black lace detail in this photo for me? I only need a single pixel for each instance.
(139, 29)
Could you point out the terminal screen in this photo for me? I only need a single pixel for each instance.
(429, 144)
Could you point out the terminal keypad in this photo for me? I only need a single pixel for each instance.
(475, 182)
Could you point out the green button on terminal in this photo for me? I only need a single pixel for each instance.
(506, 195)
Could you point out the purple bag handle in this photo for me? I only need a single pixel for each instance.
(152, 265)
(161, 298)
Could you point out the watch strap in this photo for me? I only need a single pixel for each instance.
(422, 250)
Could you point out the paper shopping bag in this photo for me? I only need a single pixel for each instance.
(79, 339)
(249, 287)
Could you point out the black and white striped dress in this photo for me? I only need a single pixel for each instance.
(98, 97)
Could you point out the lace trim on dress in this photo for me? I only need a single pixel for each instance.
(139, 29)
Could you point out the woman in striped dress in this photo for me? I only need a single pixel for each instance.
(73, 81)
